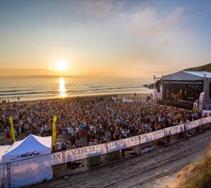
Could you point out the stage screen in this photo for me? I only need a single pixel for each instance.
(181, 91)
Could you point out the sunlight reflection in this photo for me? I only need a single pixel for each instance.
(62, 88)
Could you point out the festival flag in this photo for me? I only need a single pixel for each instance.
(54, 132)
(12, 130)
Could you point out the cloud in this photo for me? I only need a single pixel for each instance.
(148, 22)
(97, 8)
(172, 20)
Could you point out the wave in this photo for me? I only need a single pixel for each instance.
(50, 87)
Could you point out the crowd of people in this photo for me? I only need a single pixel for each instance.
(90, 120)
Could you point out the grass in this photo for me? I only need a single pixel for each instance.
(199, 176)
(206, 67)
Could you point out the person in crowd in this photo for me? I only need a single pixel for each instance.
(90, 120)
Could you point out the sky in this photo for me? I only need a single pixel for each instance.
(133, 39)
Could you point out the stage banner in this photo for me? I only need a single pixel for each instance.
(122, 144)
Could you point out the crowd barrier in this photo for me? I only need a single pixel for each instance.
(13, 169)
(96, 150)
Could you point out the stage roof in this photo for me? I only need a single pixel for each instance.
(187, 76)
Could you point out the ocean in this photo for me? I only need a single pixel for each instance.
(45, 87)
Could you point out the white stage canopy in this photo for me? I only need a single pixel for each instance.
(187, 76)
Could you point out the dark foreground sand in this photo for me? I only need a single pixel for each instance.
(153, 170)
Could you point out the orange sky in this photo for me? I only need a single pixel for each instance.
(105, 38)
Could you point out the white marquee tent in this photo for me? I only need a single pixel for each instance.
(30, 146)
(31, 172)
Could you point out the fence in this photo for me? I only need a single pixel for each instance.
(9, 172)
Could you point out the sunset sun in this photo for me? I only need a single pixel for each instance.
(61, 65)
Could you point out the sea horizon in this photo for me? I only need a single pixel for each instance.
(28, 88)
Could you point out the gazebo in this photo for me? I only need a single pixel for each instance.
(32, 171)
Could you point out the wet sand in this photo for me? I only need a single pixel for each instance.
(137, 96)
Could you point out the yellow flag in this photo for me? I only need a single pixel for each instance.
(54, 132)
(12, 130)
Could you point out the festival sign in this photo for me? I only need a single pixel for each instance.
(116, 145)
(26, 155)
(122, 144)
(149, 137)
(133, 141)
(206, 120)
(85, 152)
(58, 158)
(193, 124)
(174, 129)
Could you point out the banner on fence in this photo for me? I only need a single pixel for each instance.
(205, 120)
(175, 129)
(85, 152)
(122, 144)
(193, 124)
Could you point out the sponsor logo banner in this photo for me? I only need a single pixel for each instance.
(193, 124)
(85, 152)
(122, 144)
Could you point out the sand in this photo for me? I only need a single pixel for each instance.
(48, 100)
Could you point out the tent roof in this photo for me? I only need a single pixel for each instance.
(29, 144)
(3, 149)
(201, 74)
(187, 76)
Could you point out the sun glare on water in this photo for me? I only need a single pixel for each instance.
(62, 88)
